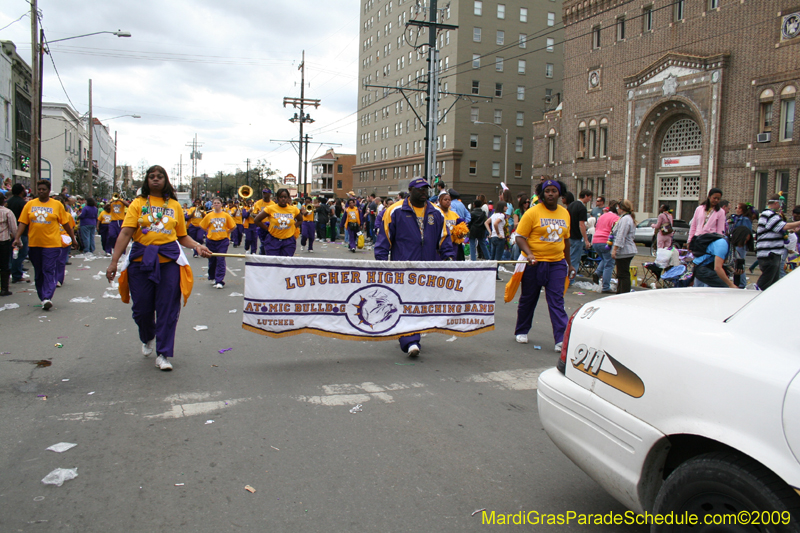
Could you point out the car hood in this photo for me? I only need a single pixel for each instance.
(707, 303)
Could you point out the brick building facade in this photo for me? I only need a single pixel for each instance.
(664, 99)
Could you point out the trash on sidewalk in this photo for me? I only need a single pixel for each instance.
(111, 318)
(180, 484)
(9, 306)
(249, 489)
(477, 511)
(537, 347)
(90, 393)
(356, 409)
(62, 337)
(82, 300)
(225, 350)
(451, 339)
(61, 447)
(200, 328)
(112, 295)
(232, 310)
(58, 476)
(209, 422)
(237, 294)
(59, 345)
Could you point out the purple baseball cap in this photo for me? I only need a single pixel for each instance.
(418, 183)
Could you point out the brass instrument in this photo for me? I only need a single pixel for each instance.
(245, 191)
(309, 208)
(115, 197)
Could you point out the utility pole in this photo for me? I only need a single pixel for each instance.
(302, 118)
(195, 156)
(305, 164)
(36, 109)
(89, 190)
(248, 171)
(114, 174)
(432, 98)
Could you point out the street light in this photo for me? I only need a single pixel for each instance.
(505, 161)
(36, 117)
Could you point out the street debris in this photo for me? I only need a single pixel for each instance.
(111, 318)
(209, 422)
(180, 484)
(477, 511)
(90, 393)
(537, 347)
(232, 310)
(356, 409)
(237, 294)
(451, 339)
(65, 379)
(112, 295)
(225, 350)
(43, 363)
(59, 345)
(9, 306)
(62, 447)
(200, 328)
(58, 476)
(62, 337)
(579, 293)
(249, 489)
(274, 448)
(82, 300)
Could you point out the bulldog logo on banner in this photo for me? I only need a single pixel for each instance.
(358, 300)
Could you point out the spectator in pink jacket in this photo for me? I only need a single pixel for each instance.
(709, 217)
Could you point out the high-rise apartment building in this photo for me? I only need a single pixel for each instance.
(505, 58)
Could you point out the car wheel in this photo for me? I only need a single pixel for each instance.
(725, 483)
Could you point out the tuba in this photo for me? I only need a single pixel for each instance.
(245, 191)
(115, 196)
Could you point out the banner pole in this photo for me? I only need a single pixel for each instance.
(254, 255)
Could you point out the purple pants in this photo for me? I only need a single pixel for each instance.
(279, 247)
(62, 264)
(150, 301)
(251, 239)
(407, 341)
(45, 265)
(236, 234)
(552, 277)
(104, 238)
(196, 233)
(307, 233)
(216, 265)
(114, 227)
(264, 236)
(352, 238)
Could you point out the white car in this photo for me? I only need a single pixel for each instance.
(684, 400)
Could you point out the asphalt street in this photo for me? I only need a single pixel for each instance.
(438, 437)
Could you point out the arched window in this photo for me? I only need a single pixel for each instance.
(788, 98)
(683, 136)
(602, 139)
(591, 143)
(551, 146)
(765, 111)
(581, 140)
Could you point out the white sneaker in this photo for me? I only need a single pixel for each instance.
(522, 339)
(219, 286)
(413, 350)
(558, 347)
(47, 305)
(147, 348)
(162, 363)
(302, 248)
(311, 251)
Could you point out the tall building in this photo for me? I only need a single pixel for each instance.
(666, 99)
(21, 86)
(103, 153)
(509, 52)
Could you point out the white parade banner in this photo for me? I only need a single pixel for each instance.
(359, 300)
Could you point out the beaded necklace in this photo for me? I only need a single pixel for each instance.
(157, 221)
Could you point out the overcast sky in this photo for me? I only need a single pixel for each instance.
(217, 69)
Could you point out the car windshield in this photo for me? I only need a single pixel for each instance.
(646, 223)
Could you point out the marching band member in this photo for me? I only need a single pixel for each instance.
(118, 207)
(282, 219)
(44, 217)
(103, 227)
(238, 232)
(351, 222)
(195, 215)
(249, 223)
(217, 225)
(309, 228)
(156, 271)
(452, 220)
(258, 207)
(66, 244)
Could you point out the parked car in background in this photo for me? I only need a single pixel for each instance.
(699, 423)
(645, 234)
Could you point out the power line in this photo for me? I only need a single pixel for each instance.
(10, 23)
